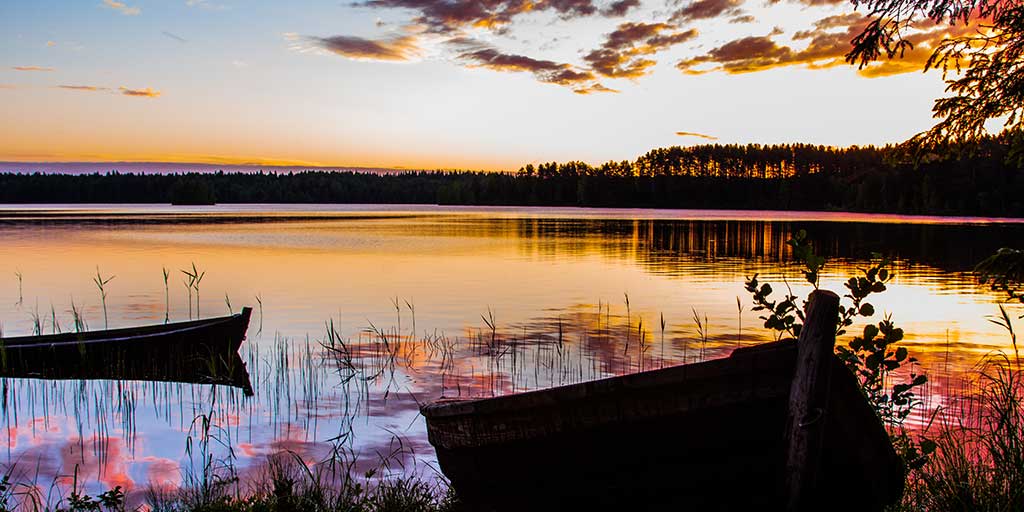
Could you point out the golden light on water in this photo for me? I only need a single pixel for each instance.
(556, 285)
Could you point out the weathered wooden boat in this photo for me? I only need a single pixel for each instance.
(198, 351)
(780, 426)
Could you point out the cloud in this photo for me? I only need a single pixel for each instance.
(596, 87)
(624, 51)
(752, 53)
(825, 48)
(142, 93)
(51, 44)
(204, 4)
(743, 18)
(706, 9)
(619, 8)
(813, 3)
(7, 87)
(695, 134)
(174, 36)
(451, 17)
(445, 17)
(32, 68)
(122, 7)
(398, 48)
(89, 88)
(476, 54)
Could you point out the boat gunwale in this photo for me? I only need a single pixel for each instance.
(738, 363)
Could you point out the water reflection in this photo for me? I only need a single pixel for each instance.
(415, 305)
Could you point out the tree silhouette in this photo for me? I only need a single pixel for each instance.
(984, 67)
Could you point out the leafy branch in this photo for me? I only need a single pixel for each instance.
(871, 356)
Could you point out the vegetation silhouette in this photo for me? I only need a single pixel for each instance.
(778, 177)
(982, 60)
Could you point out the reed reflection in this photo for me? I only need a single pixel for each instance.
(369, 315)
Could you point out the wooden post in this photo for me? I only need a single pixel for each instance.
(808, 401)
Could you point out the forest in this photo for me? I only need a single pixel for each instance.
(983, 179)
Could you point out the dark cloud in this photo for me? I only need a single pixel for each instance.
(397, 48)
(476, 54)
(624, 51)
(449, 16)
(743, 18)
(813, 3)
(705, 9)
(570, 8)
(620, 8)
(698, 135)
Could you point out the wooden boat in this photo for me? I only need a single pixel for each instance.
(198, 351)
(780, 426)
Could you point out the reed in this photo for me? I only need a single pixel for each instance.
(702, 331)
(191, 281)
(77, 317)
(21, 279)
(37, 322)
(101, 283)
(167, 294)
(739, 321)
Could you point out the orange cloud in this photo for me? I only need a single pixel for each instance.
(91, 88)
(394, 49)
(476, 54)
(122, 7)
(596, 87)
(825, 49)
(622, 53)
(31, 68)
(706, 9)
(695, 134)
(143, 93)
(446, 17)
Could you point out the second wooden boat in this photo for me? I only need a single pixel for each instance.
(198, 351)
(781, 426)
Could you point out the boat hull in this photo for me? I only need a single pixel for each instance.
(203, 351)
(709, 436)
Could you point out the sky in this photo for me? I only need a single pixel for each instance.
(468, 84)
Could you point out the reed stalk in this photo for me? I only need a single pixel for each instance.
(101, 283)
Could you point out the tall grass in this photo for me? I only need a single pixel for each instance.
(979, 460)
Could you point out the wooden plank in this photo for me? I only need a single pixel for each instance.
(808, 401)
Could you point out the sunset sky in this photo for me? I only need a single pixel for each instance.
(491, 84)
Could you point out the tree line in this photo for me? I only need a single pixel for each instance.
(789, 177)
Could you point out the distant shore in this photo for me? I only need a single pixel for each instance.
(982, 182)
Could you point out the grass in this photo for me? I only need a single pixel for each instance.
(979, 460)
(287, 484)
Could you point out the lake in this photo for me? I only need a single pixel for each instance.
(421, 302)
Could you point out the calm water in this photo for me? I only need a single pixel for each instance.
(572, 294)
